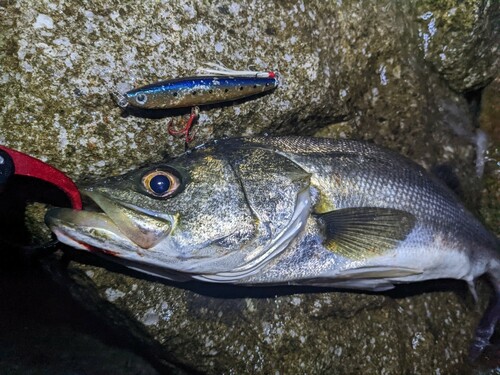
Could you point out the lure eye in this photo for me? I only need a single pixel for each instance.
(141, 98)
(161, 184)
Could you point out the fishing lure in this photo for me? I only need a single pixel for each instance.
(215, 85)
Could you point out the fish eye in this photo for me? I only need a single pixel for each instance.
(161, 184)
(141, 98)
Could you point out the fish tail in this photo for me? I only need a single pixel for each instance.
(489, 320)
(486, 328)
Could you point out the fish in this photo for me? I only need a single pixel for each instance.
(197, 91)
(287, 211)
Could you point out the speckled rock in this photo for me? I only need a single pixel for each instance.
(216, 329)
(362, 69)
(461, 40)
(349, 61)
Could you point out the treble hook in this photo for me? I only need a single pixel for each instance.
(186, 129)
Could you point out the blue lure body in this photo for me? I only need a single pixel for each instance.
(197, 91)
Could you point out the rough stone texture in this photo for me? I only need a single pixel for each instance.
(355, 61)
(362, 69)
(461, 40)
(228, 330)
(489, 120)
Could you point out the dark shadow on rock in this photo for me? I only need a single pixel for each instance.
(116, 326)
(18, 193)
(448, 176)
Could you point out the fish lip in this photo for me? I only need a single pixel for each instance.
(72, 228)
(141, 226)
(135, 226)
(67, 239)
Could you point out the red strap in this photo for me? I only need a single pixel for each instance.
(25, 165)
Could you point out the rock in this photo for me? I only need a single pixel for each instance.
(461, 40)
(214, 329)
(365, 70)
(345, 61)
(489, 119)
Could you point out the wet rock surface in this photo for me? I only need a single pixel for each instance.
(349, 69)
(217, 329)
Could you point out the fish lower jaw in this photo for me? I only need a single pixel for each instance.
(103, 243)
(67, 240)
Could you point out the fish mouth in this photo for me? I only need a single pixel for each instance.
(114, 225)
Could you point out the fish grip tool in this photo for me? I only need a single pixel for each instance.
(6, 168)
(15, 163)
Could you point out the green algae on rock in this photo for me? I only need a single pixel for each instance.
(461, 40)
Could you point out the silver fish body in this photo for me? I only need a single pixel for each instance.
(286, 210)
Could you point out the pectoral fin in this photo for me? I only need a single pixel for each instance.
(361, 233)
